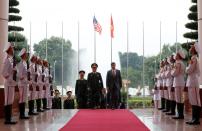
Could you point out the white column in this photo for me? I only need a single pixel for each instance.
(3, 31)
(200, 37)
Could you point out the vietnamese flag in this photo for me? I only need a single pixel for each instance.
(112, 28)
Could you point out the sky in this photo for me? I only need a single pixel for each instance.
(133, 12)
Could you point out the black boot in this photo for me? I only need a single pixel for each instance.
(172, 108)
(8, 114)
(197, 114)
(45, 104)
(31, 108)
(38, 103)
(22, 111)
(180, 110)
(194, 110)
(167, 106)
(162, 104)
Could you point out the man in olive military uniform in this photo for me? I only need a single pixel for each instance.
(95, 85)
(57, 101)
(81, 91)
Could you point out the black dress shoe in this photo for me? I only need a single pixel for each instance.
(40, 110)
(24, 117)
(165, 110)
(46, 108)
(32, 113)
(10, 122)
(178, 117)
(160, 108)
(170, 113)
(193, 122)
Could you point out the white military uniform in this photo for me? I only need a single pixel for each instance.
(192, 81)
(33, 74)
(23, 82)
(165, 92)
(9, 83)
(40, 82)
(50, 97)
(169, 82)
(179, 82)
(156, 93)
(161, 82)
(47, 91)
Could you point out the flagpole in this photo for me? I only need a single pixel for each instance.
(94, 46)
(160, 42)
(30, 38)
(176, 31)
(143, 66)
(111, 36)
(62, 64)
(127, 65)
(78, 46)
(111, 49)
(46, 43)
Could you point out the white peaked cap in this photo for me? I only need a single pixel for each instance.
(181, 53)
(22, 52)
(7, 46)
(196, 46)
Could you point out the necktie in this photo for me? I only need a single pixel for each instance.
(113, 73)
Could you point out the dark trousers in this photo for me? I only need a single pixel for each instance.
(114, 97)
(96, 99)
(82, 103)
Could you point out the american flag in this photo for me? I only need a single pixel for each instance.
(97, 26)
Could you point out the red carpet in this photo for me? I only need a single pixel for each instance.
(104, 120)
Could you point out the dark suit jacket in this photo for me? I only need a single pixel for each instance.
(114, 81)
(95, 82)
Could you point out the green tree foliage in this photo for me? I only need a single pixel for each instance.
(192, 25)
(14, 35)
(54, 49)
(151, 65)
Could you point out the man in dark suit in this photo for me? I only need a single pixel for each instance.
(95, 84)
(114, 84)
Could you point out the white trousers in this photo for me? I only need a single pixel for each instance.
(23, 92)
(166, 94)
(9, 93)
(33, 93)
(194, 96)
(171, 94)
(179, 94)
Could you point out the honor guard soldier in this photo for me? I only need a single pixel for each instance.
(179, 83)
(39, 85)
(47, 85)
(192, 83)
(160, 85)
(23, 83)
(81, 91)
(9, 83)
(169, 84)
(33, 85)
(51, 90)
(95, 84)
(165, 86)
